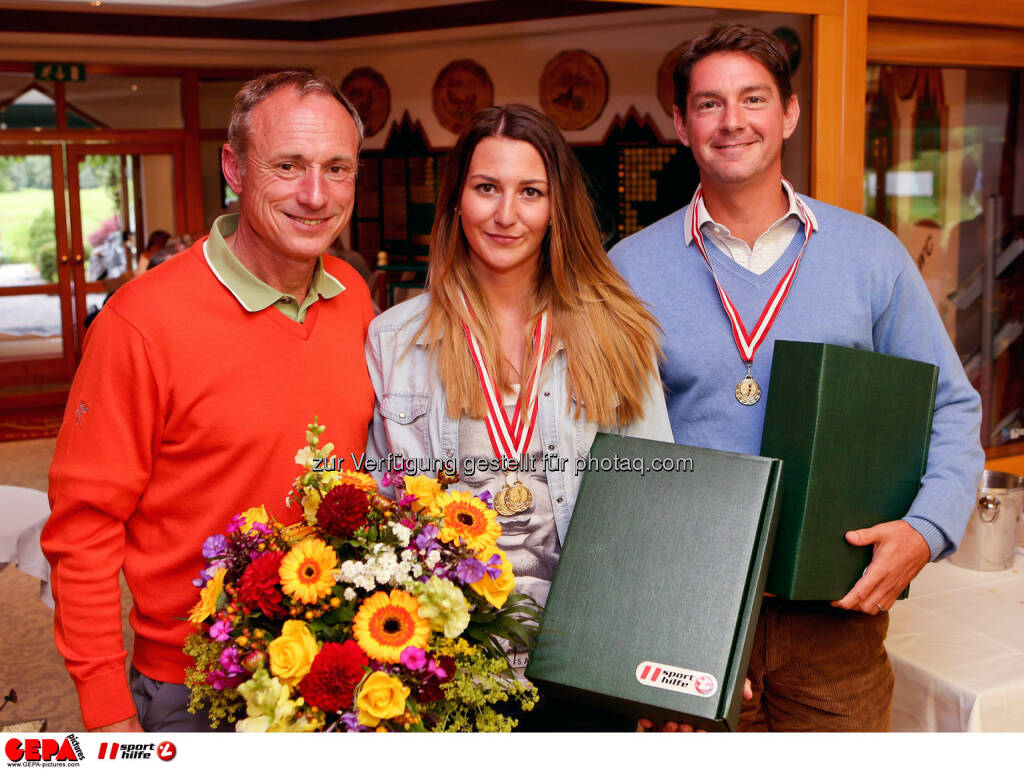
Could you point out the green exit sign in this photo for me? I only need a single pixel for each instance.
(60, 72)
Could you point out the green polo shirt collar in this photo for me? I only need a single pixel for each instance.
(251, 292)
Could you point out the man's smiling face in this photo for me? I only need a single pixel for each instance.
(300, 170)
(735, 120)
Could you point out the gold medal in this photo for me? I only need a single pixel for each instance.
(519, 497)
(500, 506)
(748, 391)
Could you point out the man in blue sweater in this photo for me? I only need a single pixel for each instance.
(748, 248)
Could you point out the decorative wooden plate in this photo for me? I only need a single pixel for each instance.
(666, 85)
(461, 90)
(573, 90)
(791, 41)
(366, 88)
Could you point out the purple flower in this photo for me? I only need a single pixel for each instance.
(471, 570)
(236, 523)
(407, 500)
(351, 722)
(221, 680)
(220, 630)
(487, 498)
(214, 546)
(261, 528)
(396, 478)
(413, 657)
(205, 575)
(229, 661)
(426, 539)
(494, 566)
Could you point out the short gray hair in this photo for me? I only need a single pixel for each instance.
(259, 88)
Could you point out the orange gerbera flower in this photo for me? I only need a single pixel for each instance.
(466, 520)
(361, 481)
(386, 624)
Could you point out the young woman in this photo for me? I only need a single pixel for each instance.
(526, 344)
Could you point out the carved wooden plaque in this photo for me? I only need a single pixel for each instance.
(366, 88)
(461, 90)
(573, 90)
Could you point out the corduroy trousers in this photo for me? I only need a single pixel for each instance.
(815, 668)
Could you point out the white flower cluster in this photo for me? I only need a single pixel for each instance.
(402, 533)
(383, 567)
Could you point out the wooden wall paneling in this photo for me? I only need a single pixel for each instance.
(997, 13)
(192, 205)
(809, 7)
(939, 45)
(839, 88)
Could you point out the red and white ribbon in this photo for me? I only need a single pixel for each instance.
(511, 437)
(747, 344)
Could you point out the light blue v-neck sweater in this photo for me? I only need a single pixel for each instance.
(856, 286)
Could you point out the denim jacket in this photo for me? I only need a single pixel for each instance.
(411, 414)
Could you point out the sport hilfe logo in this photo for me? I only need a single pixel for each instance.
(34, 750)
(675, 679)
(165, 751)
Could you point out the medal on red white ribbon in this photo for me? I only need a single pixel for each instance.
(748, 391)
(510, 438)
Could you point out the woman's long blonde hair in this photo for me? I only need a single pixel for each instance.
(611, 340)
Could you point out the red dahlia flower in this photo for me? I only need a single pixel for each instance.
(260, 585)
(332, 678)
(342, 511)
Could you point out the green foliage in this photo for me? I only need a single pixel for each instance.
(516, 621)
(18, 172)
(42, 245)
(106, 171)
(480, 682)
(223, 703)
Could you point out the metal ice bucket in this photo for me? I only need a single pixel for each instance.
(992, 531)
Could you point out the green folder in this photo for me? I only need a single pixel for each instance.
(656, 595)
(852, 428)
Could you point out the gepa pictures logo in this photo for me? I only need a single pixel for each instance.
(43, 751)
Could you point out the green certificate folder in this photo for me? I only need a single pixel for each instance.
(852, 428)
(656, 595)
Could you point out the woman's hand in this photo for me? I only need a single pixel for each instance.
(646, 725)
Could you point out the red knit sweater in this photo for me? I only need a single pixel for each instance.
(186, 409)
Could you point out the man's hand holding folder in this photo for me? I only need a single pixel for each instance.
(899, 554)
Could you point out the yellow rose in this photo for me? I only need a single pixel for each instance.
(292, 653)
(496, 591)
(254, 515)
(424, 489)
(381, 697)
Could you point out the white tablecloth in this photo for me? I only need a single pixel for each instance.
(957, 651)
(22, 515)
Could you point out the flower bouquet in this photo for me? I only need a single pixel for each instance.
(370, 614)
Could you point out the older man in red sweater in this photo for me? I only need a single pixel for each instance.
(196, 384)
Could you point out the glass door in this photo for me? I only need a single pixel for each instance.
(37, 335)
(120, 195)
(74, 218)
